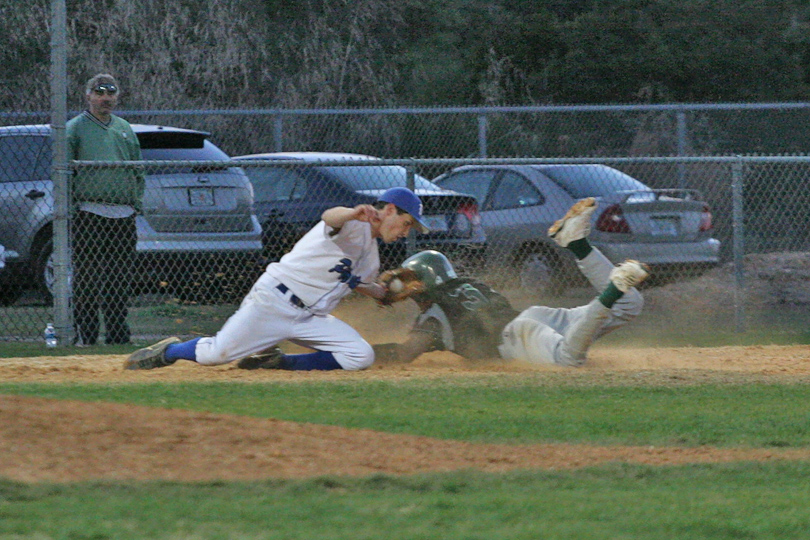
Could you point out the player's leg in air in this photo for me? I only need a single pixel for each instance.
(563, 336)
(571, 232)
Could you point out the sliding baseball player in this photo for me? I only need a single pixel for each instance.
(474, 321)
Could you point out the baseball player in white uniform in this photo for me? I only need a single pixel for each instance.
(294, 297)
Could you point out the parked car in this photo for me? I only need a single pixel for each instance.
(5, 286)
(192, 215)
(670, 229)
(290, 200)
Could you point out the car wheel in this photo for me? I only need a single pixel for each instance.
(45, 272)
(10, 292)
(541, 272)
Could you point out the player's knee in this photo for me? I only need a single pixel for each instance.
(537, 313)
(211, 353)
(360, 358)
(631, 304)
(213, 358)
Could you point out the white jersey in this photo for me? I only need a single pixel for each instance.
(326, 265)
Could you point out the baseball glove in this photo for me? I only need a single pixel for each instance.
(399, 283)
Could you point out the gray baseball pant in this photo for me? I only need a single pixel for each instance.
(562, 336)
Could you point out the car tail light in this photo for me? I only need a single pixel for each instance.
(612, 220)
(466, 219)
(705, 219)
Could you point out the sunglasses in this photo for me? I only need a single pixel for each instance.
(109, 89)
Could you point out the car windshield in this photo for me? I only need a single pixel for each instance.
(206, 152)
(25, 157)
(361, 178)
(582, 181)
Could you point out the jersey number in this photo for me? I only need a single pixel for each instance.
(474, 299)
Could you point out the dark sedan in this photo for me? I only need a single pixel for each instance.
(290, 198)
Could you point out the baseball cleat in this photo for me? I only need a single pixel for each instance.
(272, 358)
(629, 274)
(151, 357)
(575, 224)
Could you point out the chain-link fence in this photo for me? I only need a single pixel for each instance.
(530, 131)
(726, 237)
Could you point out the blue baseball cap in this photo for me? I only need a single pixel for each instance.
(405, 199)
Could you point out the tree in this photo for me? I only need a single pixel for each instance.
(674, 50)
(372, 53)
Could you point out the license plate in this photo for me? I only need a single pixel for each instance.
(664, 226)
(201, 197)
(436, 223)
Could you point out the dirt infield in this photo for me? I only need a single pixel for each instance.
(44, 440)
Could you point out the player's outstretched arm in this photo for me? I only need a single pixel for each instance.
(402, 353)
(375, 290)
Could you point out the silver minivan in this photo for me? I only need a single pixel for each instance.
(192, 213)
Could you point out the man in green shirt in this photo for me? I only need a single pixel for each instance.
(105, 202)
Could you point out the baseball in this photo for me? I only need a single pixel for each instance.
(396, 285)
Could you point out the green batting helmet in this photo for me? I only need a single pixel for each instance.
(432, 267)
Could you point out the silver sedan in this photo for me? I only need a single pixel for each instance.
(665, 228)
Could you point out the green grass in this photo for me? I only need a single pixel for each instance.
(172, 318)
(501, 409)
(614, 501)
(659, 326)
(762, 501)
(167, 319)
(30, 350)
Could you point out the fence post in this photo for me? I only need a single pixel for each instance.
(278, 132)
(482, 135)
(737, 179)
(60, 172)
(680, 120)
(410, 183)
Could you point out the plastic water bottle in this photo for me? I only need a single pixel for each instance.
(50, 336)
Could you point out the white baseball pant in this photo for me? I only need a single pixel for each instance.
(266, 317)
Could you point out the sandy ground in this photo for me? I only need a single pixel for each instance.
(45, 440)
(60, 441)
